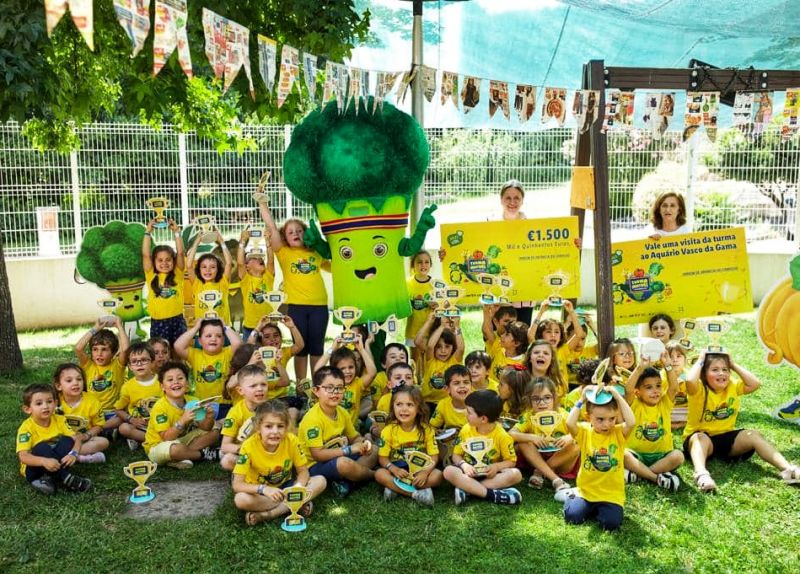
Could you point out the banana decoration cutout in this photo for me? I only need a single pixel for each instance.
(779, 318)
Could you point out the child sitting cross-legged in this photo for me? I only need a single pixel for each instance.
(81, 411)
(268, 461)
(498, 471)
(251, 385)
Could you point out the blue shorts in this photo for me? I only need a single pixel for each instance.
(170, 329)
(328, 468)
(312, 322)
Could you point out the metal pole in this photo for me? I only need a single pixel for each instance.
(76, 199)
(417, 100)
(183, 172)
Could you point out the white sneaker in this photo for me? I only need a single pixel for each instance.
(563, 494)
(630, 477)
(181, 464)
(424, 497)
(133, 445)
(460, 497)
(94, 458)
(388, 494)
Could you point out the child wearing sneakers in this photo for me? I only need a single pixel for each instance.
(650, 454)
(174, 435)
(138, 394)
(81, 412)
(46, 446)
(499, 473)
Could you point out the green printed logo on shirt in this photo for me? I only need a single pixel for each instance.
(242, 459)
(437, 381)
(25, 437)
(210, 374)
(227, 424)
(161, 419)
(602, 460)
(102, 382)
(312, 433)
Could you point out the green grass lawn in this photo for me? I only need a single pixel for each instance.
(751, 524)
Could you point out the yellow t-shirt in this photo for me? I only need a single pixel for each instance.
(385, 403)
(238, 422)
(169, 302)
(720, 412)
(221, 308)
(135, 396)
(448, 416)
(351, 400)
(420, 295)
(502, 444)
(528, 425)
(259, 466)
(88, 409)
(601, 477)
(30, 433)
(104, 382)
(317, 428)
(500, 361)
(162, 417)
(653, 430)
(302, 277)
(434, 387)
(491, 385)
(394, 442)
(274, 392)
(378, 387)
(209, 372)
(569, 361)
(254, 297)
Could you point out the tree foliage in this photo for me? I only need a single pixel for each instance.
(54, 84)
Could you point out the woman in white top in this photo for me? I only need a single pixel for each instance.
(668, 216)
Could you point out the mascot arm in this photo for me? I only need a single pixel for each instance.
(313, 239)
(411, 245)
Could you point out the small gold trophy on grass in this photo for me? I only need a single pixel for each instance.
(140, 471)
(417, 462)
(159, 205)
(269, 356)
(206, 223)
(295, 497)
(477, 448)
(209, 300)
(347, 316)
(556, 281)
(716, 328)
(547, 421)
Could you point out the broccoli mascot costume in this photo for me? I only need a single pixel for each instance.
(110, 257)
(360, 171)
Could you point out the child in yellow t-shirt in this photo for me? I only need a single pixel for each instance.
(210, 363)
(559, 453)
(420, 290)
(399, 374)
(451, 412)
(174, 435)
(162, 352)
(163, 272)
(479, 364)
(392, 353)
(511, 349)
(714, 404)
(542, 361)
(496, 320)
(678, 354)
(408, 430)
(601, 482)
(268, 461)
(555, 332)
(492, 477)
(515, 392)
(650, 454)
(104, 368)
(445, 347)
(251, 385)
(210, 274)
(356, 385)
(138, 394)
(81, 412)
(47, 448)
(256, 277)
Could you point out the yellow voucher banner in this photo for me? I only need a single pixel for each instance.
(539, 256)
(694, 275)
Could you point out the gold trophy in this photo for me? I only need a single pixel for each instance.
(716, 328)
(209, 300)
(275, 299)
(109, 307)
(444, 440)
(487, 281)
(446, 297)
(505, 284)
(547, 421)
(336, 442)
(206, 223)
(295, 497)
(389, 325)
(140, 471)
(245, 431)
(159, 205)
(688, 326)
(259, 196)
(477, 448)
(598, 395)
(303, 388)
(417, 462)
(76, 423)
(269, 356)
(347, 316)
(379, 418)
(556, 281)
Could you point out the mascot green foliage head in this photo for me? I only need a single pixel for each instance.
(111, 258)
(360, 170)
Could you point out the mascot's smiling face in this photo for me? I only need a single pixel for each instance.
(363, 252)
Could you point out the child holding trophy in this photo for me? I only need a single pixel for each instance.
(650, 454)
(601, 482)
(678, 356)
(47, 448)
(484, 460)
(445, 347)
(210, 281)
(407, 451)
(104, 367)
(269, 460)
(511, 350)
(138, 394)
(420, 290)
(330, 440)
(251, 385)
(344, 360)
(177, 433)
(163, 272)
(256, 271)
(714, 404)
(81, 411)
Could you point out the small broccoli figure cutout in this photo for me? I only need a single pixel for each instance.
(110, 257)
(360, 171)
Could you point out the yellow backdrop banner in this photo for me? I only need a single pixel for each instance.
(686, 276)
(525, 250)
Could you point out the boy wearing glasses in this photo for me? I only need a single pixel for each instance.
(330, 441)
(137, 394)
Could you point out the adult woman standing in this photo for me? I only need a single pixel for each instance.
(668, 216)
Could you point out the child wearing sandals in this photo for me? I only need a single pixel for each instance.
(268, 460)
(529, 438)
(714, 404)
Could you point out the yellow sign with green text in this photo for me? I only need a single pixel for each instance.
(685, 276)
(539, 256)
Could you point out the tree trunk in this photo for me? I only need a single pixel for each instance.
(10, 355)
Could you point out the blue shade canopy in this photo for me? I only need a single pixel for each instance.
(546, 42)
